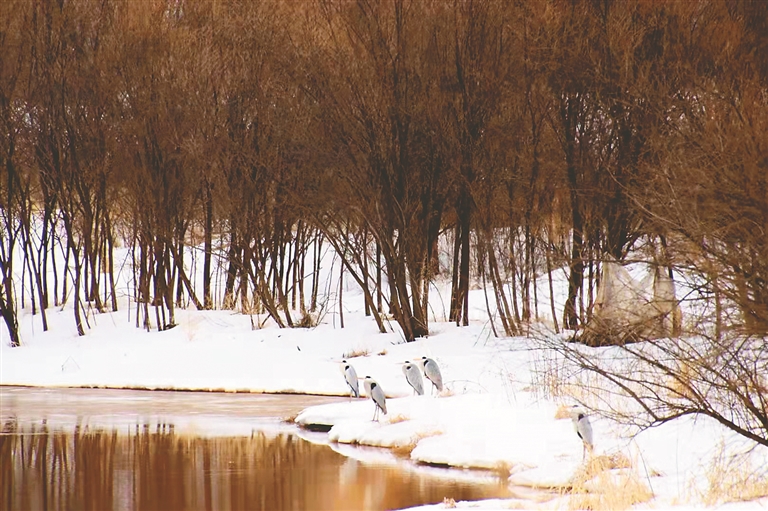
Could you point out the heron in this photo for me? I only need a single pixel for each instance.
(583, 428)
(350, 375)
(376, 394)
(413, 377)
(432, 372)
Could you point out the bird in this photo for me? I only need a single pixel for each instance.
(432, 372)
(583, 428)
(413, 377)
(350, 375)
(376, 394)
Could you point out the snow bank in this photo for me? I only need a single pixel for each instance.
(485, 431)
(497, 413)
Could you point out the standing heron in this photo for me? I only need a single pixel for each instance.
(350, 375)
(432, 372)
(377, 395)
(583, 428)
(413, 377)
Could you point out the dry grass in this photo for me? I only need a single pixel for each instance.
(382, 353)
(603, 462)
(552, 378)
(548, 379)
(449, 503)
(563, 412)
(358, 352)
(398, 418)
(403, 450)
(249, 309)
(308, 320)
(734, 479)
(681, 387)
(617, 492)
(607, 482)
(291, 418)
(503, 469)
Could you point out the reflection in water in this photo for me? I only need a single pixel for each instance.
(155, 468)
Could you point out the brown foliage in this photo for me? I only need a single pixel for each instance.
(550, 131)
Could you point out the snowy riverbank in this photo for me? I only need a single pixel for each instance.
(496, 413)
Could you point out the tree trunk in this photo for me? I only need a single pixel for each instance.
(364, 269)
(8, 311)
(341, 293)
(316, 271)
(501, 298)
(453, 314)
(302, 266)
(229, 286)
(526, 280)
(184, 279)
(52, 255)
(513, 262)
(464, 270)
(295, 261)
(570, 314)
(168, 285)
(379, 293)
(245, 305)
(36, 271)
(65, 273)
(7, 305)
(548, 257)
(208, 246)
(576, 276)
(78, 319)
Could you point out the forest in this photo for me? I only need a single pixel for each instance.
(526, 136)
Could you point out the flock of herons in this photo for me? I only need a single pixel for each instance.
(412, 372)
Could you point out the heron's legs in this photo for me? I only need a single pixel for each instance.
(587, 448)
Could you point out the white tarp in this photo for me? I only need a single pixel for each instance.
(626, 307)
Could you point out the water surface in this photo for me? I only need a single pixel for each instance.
(109, 449)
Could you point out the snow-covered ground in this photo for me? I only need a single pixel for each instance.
(499, 411)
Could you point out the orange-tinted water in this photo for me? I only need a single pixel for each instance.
(50, 462)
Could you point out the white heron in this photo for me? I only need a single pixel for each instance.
(432, 372)
(583, 428)
(376, 394)
(350, 375)
(413, 377)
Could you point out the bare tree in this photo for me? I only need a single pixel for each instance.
(14, 18)
(372, 88)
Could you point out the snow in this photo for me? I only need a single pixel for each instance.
(498, 411)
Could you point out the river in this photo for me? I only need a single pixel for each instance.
(143, 450)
